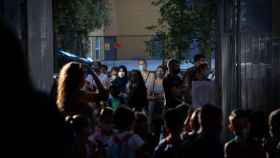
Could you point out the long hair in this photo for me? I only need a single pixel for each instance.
(124, 69)
(136, 80)
(137, 96)
(70, 81)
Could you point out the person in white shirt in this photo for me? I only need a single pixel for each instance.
(102, 76)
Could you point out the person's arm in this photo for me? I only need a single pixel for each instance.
(103, 94)
(87, 97)
(150, 87)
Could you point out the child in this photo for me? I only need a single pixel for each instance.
(80, 126)
(124, 143)
(170, 146)
(241, 146)
(103, 132)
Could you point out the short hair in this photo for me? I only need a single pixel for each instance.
(274, 121)
(77, 122)
(197, 57)
(140, 117)
(210, 117)
(173, 119)
(274, 118)
(183, 110)
(172, 62)
(114, 68)
(106, 113)
(96, 65)
(144, 60)
(123, 118)
(104, 66)
(236, 115)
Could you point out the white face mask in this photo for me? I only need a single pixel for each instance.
(114, 77)
(141, 67)
(121, 74)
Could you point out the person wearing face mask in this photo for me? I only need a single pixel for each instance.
(148, 76)
(100, 71)
(172, 85)
(242, 146)
(122, 79)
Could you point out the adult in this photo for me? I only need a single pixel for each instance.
(193, 73)
(71, 100)
(122, 79)
(96, 68)
(172, 85)
(147, 75)
(137, 91)
(156, 102)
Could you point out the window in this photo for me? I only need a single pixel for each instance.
(98, 48)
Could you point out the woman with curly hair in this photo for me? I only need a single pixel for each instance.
(71, 100)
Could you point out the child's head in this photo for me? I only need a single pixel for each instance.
(258, 125)
(173, 120)
(106, 119)
(80, 125)
(210, 119)
(123, 118)
(104, 69)
(238, 122)
(274, 123)
(141, 123)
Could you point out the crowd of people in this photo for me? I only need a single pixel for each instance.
(118, 114)
(93, 113)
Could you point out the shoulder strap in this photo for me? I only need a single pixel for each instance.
(154, 84)
(147, 77)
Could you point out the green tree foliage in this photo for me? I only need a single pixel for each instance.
(182, 21)
(74, 19)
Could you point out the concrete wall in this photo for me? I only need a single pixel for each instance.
(32, 20)
(133, 16)
(111, 28)
(40, 42)
(275, 18)
(133, 47)
(128, 21)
